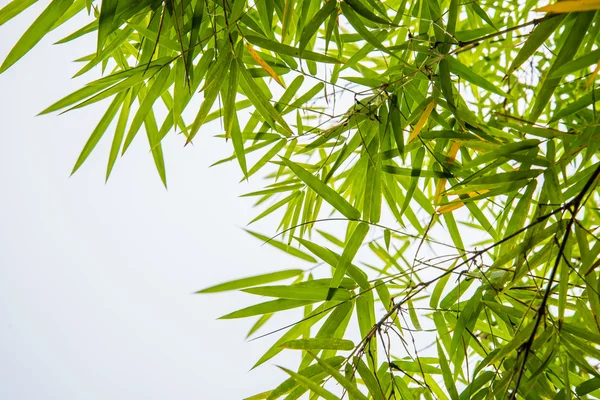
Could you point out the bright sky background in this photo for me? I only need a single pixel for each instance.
(96, 280)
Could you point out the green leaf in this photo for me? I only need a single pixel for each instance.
(40, 27)
(312, 371)
(147, 102)
(566, 53)
(301, 293)
(252, 281)
(319, 344)
(370, 380)
(258, 99)
(348, 385)
(582, 102)
(282, 246)
(350, 250)
(481, 12)
(279, 48)
(357, 24)
(332, 258)
(232, 127)
(577, 64)
(447, 373)
(466, 73)
(120, 130)
(99, 130)
(212, 86)
(315, 23)
(311, 385)
(365, 12)
(540, 34)
(108, 9)
(323, 190)
(588, 386)
(266, 308)
(14, 8)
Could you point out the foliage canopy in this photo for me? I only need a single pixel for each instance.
(462, 171)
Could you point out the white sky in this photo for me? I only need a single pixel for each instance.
(96, 279)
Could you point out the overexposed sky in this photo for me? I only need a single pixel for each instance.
(96, 279)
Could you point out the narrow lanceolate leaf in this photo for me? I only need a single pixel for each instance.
(155, 146)
(319, 344)
(14, 8)
(350, 250)
(40, 27)
(252, 281)
(259, 100)
(311, 385)
(120, 130)
(570, 6)
(99, 130)
(158, 86)
(315, 23)
(332, 258)
(309, 372)
(264, 65)
(540, 34)
(279, 48)
(105, 21)
(267, 308)
(447, 373)
(282, 246)
(301, 292)
(214, 81)
(363, 11)
(577, 64)
(347, 384)
(566, 54)
(374, 386)
(232, 127)
(466, 73)
(288, 12)
(421, 122)
(327, 193)
(361, 28)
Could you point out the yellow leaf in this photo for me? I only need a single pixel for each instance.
(589, 81)
(439, 189)
(450, 207)
(458, 203)
(264, 64)
(571, 6)
(421, 121)
(441, 183)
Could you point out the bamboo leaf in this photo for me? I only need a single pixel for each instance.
(319, 344)
(311, 385)
(252, 281)
(258, 99)
(290, 51)
(327, 193)
(14, 8)
(345, 382)
(40, 27)
(350, 250)
(466, 73)
(282, 246)
(266, 308)
(264, 65)
(301, 293)
(99, 130)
